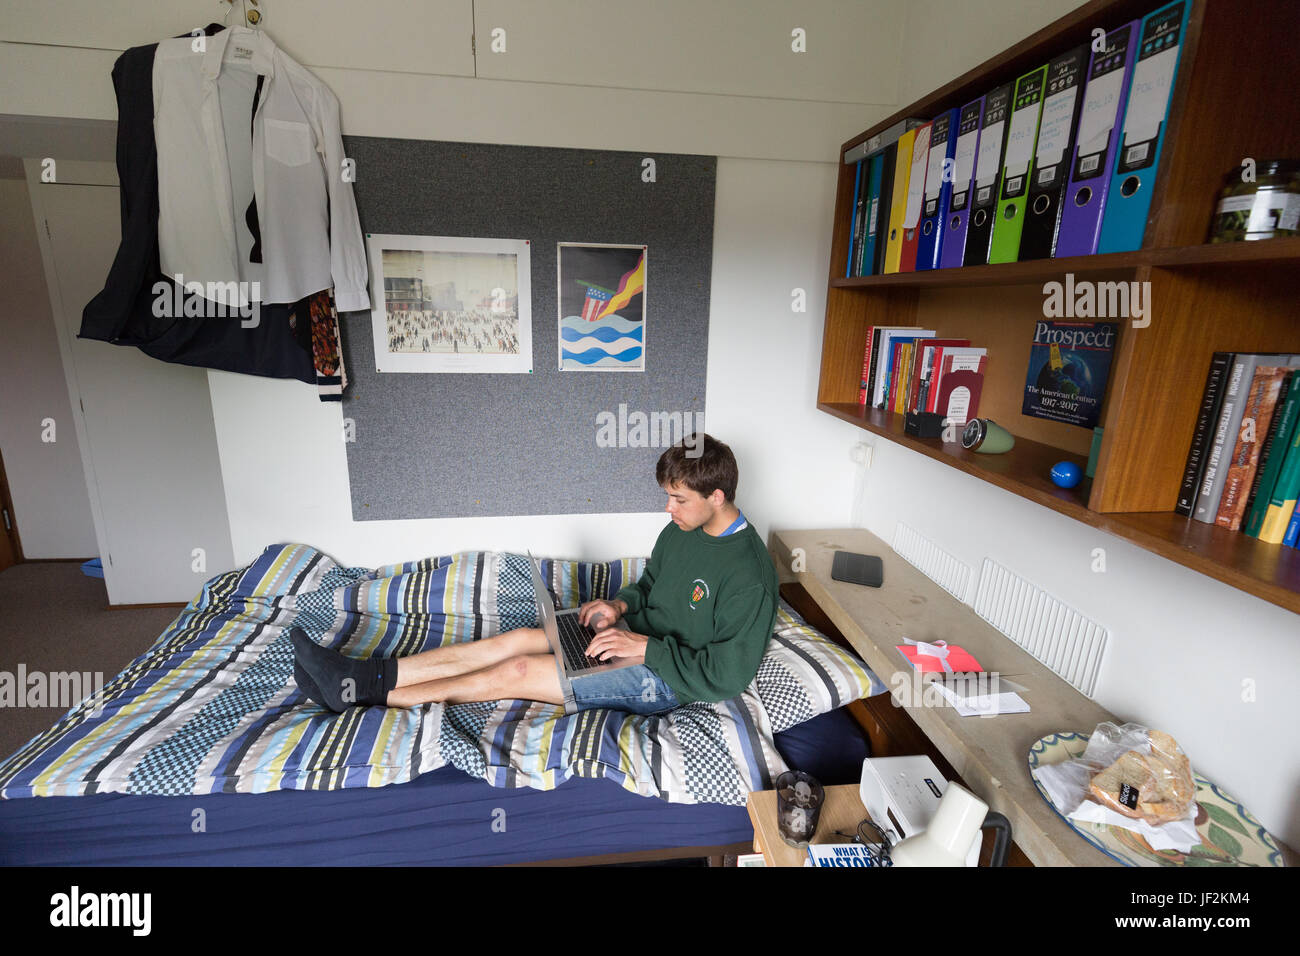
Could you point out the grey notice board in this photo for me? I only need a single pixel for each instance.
(446, 445)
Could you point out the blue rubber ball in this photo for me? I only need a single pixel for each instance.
(1066, 474)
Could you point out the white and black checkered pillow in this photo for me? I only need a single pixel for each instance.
(804, 673)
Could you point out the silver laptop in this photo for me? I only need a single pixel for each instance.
(569, 639)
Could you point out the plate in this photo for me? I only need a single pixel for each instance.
(1230, 835)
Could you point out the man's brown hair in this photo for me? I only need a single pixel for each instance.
(701, 463)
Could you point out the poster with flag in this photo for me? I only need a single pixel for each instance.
(602, 315)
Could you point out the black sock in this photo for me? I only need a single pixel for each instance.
(339, 682)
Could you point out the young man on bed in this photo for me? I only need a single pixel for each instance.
(699, 619)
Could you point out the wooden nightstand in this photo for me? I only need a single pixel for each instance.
(843, 811)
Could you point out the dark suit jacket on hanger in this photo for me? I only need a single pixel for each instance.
(123, 311)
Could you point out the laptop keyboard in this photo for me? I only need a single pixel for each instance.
(575, 638)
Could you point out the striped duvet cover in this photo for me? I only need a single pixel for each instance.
(213, 707)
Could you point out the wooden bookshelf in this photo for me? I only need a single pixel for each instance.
(1228, 103)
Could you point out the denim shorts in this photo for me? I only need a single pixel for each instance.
(636, 689)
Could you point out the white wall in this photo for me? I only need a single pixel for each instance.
(945, 38)
(46, 479)
(1181, 643)
(770, 238)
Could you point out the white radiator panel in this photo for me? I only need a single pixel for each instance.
(934, 562)
(1062, 639)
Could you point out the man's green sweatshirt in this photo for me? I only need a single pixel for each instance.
(708, 606)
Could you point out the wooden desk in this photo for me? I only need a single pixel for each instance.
(989, 753)
(842, 810)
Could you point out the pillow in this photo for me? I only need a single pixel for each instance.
(804, 673)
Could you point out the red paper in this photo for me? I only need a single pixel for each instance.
(959, 659)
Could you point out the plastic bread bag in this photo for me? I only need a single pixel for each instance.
(1132, 777)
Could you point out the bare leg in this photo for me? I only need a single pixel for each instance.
(527, 677)
(455, 659)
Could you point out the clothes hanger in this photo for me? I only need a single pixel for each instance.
(251, 17)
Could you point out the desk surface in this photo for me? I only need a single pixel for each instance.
(990, 753)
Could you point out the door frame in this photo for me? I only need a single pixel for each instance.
(11, 533)
(83, 173)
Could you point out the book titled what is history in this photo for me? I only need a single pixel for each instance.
(1068, 366)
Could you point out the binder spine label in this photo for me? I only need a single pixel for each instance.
(934, 166)
(1020, 140)
(1101, 105)
(1153, 78)
(968, 134)
(1058, 118)
(988, 164)
(916, 178)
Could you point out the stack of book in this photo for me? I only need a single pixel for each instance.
(908, 369)
(1059, 163)
(1243, 468)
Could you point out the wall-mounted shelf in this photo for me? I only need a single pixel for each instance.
(1204, 297)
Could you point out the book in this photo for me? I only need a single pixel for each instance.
(1230, 415)
(1273, 453)
(876, 338)
(959, 395)
(1069, 363)
(1292, 536)
(899, 370)
(952, 359)
(839, 854)
(1261, 399)
(922, 369)
(896, 363)
(1278, 519)
(901, 352)
(882, 376)
(1206, 419)
(866, 367)
(1227, 429)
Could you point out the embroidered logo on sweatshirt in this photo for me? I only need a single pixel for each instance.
(700, 592)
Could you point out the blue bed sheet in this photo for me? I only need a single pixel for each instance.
(440, 818)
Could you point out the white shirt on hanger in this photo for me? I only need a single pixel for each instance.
(214, 156)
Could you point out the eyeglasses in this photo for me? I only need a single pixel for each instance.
(874, 839)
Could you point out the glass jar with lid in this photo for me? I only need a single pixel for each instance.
(1259, 206)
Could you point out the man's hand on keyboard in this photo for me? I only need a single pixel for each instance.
(601, 614)
(616, 642)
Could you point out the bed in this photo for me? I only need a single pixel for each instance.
(202, 751)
